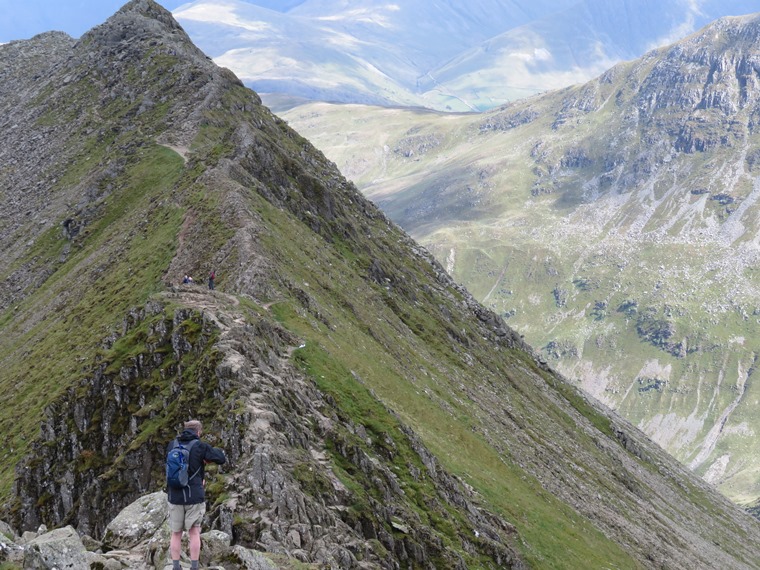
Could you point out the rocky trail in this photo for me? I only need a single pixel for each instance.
(139, 537)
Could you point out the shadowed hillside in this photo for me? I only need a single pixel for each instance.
(375, 415)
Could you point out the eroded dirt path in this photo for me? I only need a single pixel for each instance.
(180, 150)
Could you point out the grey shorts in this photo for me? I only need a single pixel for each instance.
(185, 516)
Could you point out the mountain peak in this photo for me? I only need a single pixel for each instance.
(146, 8)
(138, 19)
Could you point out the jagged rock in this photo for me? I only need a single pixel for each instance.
(90, 543)
(9, 550)
(216, 546)
(7, 531)
(508, 119)
(251, 560)
(27, 536)
(59, 549)
(137, 522)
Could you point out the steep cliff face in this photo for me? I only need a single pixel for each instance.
(376, 415)
(101, 439)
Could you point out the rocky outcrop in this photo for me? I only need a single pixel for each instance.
(508, 119)
(137, 538)
(98, 451)
(63, 548)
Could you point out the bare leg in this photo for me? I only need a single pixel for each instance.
(195, 542)
(175, 546)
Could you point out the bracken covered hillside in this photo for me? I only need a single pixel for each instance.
(374, 414)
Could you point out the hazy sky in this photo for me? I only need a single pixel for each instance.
(22, 19)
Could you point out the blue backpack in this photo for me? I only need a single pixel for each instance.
(178, 465)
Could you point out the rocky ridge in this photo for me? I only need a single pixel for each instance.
(266, 503)
(375, 414)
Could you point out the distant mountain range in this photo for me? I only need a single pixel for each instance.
(443, 55)
(615, 224)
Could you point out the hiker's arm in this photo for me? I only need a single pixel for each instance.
(214, 455)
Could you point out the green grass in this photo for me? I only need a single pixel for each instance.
(381, 351)
(543, 522)
(87, 296)
(480, 219)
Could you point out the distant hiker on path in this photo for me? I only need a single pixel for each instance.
(186, 455)
(187, 279)
(211, 277)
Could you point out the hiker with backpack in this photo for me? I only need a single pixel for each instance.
(186, 456)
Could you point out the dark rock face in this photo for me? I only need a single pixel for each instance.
(98, 451)
(87, 462)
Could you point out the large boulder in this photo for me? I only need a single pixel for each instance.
(60, 548)
(216, 546)
(138, 522)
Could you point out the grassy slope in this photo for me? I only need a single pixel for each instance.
(359, 350)
(465, 193)
(86, 297)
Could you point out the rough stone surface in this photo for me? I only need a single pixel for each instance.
(216, 546)
(61, 548)
(9, 550)
(250, 560)
(137, 522)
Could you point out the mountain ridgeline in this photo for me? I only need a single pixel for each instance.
(374, 414)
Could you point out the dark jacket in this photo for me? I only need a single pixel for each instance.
(199, 453)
